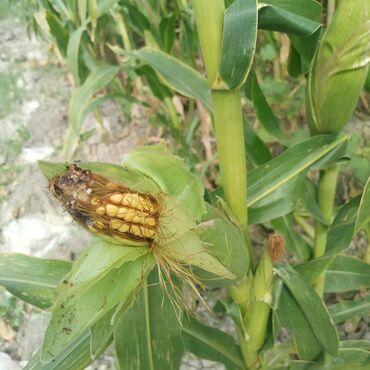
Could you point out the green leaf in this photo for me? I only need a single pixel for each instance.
(167, 32)
(265, 115)
(149, 335)
(350, 309)
(77, 355)
(293, 241)
(80, 101)
(102, 277)
(256, 150)
(239, 42)
(312, 307)
(360, 344)
(363, 214)
(342, 229)
(339, 68)
(293, 319)
(211, 344)
(58, 31)
(307, 194)
(178, 75)
(270, 211)
(72, 53)
(311, 270)
(281, 18)
(296, 160)
(32, 279)
(345, 274)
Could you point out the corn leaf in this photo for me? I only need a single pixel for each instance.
(340, 67)
(274, 15)
(149, 335)
(350, 310)
(102, 278)
(80, 101)
(345, 274)
(264, 113)
(178, 75)
(72, 53)
(32, 279)
(363, 214)
(312, 307)
(239, 42)
(353, 343)
(342, 229)
(293, 319)
(296, 160)
(211, 344)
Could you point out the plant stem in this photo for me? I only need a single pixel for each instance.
(327, 186)
(229, 134)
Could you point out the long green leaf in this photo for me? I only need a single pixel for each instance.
(293, 319)
(350, 309)
(211, 344)
(264, 113)
(72, 53)
(32, 279)
(294, 161)
(239, 42)
(342, 229)
(178, 75)
(149, 335)
(312, 306)
(81, 100)
(276, 18)
(345, 274)
(363, 214)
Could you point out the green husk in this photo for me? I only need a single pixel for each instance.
(339, 69)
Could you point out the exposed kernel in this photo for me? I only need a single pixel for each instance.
(100, 210)
(130, 215)
(115, 224)
(111, 209)
(116, 198)
(124, 228)
(121, 212)
(135, 230)
(150, 221)
(147, 233)
(99, 224)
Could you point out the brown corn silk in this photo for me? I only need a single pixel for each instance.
(107, 207)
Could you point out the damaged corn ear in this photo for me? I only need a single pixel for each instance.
(106, 207)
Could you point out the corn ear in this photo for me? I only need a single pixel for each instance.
(339, 67)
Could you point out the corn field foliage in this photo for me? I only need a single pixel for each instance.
(162, 241)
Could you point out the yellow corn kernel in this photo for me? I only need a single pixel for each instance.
(138, 219)
(115, 224)
(99, 224)
(124, 228)
(112, 210)
(147, 233)
(116, 198)
(135, 230)
(121, 212)
(130, 215)
(150, 221)
(100, 210)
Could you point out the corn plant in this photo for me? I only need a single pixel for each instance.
(156, 231)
